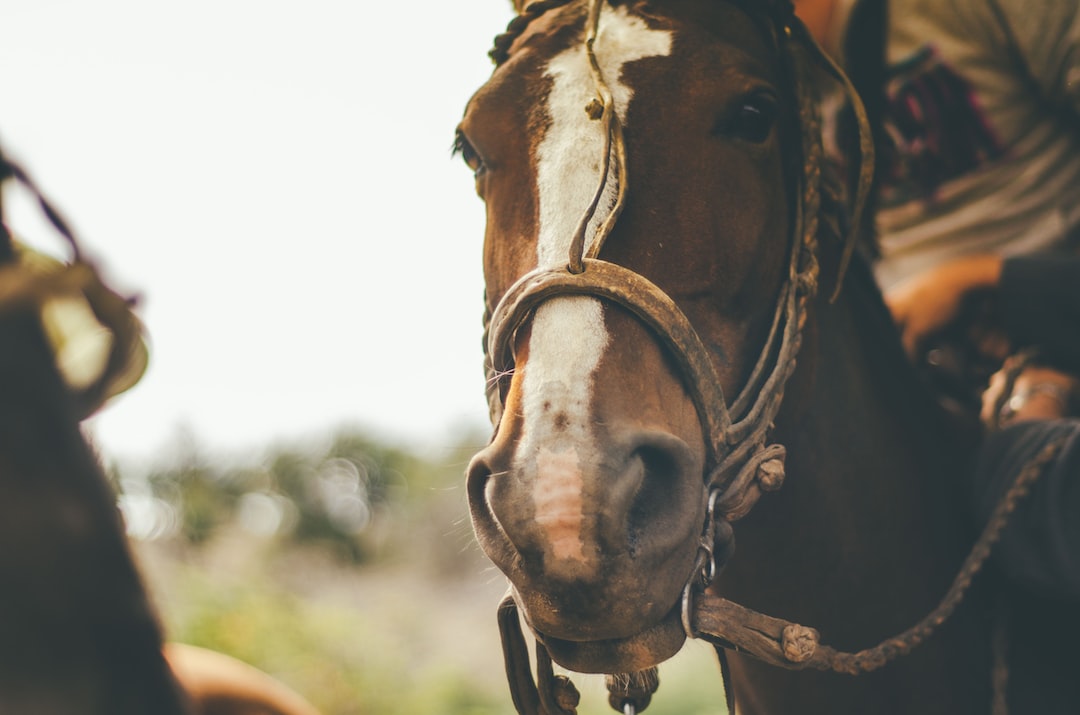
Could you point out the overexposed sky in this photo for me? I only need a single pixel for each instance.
(274, 178)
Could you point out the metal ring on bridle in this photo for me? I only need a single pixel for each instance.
(708, 569)
(714, 496)
(687, 611)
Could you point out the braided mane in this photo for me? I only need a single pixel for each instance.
(501, 51)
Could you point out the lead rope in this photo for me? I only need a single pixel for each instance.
(797, 647)
(1012, 369)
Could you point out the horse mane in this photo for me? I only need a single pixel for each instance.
(501, 51)
(874, 324)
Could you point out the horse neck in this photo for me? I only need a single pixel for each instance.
(864, 386)
(77, 633)
(863, 538)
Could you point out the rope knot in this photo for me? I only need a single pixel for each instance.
(799, 643)
(770, 474)
(807, 283)
(565, 693)
(634, 689)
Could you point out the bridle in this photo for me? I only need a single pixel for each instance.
(741, 462)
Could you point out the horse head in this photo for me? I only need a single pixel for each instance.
(616, 459)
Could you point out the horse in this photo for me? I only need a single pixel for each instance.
(660, 215)
(78, 633)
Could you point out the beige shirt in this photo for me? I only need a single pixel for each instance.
(983, 113)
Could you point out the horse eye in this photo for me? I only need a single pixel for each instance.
(751, 121)
(463, 148)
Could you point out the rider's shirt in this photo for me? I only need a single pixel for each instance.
(982, 114)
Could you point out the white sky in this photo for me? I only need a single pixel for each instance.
(274, 177)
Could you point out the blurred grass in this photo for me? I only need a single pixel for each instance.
(345, 660)
(408, 628)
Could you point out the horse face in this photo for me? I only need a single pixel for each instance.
(591, 496)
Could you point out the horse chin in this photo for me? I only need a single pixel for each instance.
(642, 650)
(614, 637)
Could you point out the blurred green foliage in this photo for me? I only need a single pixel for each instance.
(346, 568)
(344, 660)
(346, 494)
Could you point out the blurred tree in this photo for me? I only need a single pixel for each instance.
(358, 497)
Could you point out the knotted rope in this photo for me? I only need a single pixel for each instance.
(794, 646)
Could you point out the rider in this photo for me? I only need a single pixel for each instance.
(976, 111)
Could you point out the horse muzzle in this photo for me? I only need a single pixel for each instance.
(598, 549)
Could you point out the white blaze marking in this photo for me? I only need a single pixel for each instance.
(568, 335)
(559, 508)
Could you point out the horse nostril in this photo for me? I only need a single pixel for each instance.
(658, 486)
(486, 526)
(668, 482)
(477, 475)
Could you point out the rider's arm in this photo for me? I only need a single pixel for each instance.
(1039, 297)
(930, 301)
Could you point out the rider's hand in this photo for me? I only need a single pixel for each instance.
(1039, 393)
(926, 304)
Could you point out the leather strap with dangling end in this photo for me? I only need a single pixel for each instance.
(550, 694)
(75, 306)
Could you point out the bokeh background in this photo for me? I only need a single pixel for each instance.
(273, 180)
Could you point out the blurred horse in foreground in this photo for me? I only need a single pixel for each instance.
(78, 634)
